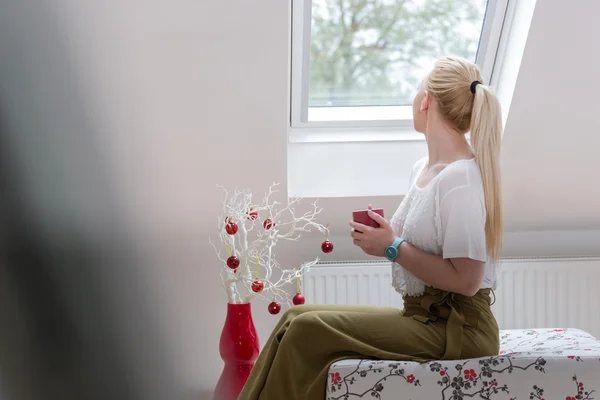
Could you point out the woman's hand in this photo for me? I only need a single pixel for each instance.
(373, 241)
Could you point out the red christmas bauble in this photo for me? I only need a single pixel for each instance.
(274, 308)
(268, 224)
(231, 228)
(257, 286)
(327, 246)
(252, 214)
(233, 262)
(298, 299)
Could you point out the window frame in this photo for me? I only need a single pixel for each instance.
(301, 130)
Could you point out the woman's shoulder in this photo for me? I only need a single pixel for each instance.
(417, 168)
(461, 174)
(419, 165)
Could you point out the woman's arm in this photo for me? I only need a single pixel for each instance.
(457, 275)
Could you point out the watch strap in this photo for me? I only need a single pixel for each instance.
(393, 250)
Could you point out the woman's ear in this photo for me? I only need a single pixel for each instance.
(425, 102)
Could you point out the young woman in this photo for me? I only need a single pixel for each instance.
(442, 242)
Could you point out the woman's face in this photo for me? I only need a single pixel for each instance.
(420, 107)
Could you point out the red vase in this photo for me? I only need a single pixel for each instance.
(239, 348)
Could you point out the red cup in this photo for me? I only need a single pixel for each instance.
(362, 217)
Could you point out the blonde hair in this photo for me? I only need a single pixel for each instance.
(450, 84)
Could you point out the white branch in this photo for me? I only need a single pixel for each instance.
(253, 241)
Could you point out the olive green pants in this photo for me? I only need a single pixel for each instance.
(438, 325)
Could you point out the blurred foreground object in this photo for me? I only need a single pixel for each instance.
(76, 322)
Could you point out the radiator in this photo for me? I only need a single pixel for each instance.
(531, 293)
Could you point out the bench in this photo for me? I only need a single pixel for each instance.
(550, 364)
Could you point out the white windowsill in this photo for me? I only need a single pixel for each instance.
(339, 135)
(358, 113)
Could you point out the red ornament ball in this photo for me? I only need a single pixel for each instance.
(268, 224)
(258, 286)
(252, 215)
(298, 299)
(274, 308)
(231, 228)
(233, 262)
(327, 246)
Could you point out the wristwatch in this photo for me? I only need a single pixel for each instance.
(391, 252)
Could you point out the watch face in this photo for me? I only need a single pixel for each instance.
(390, 253)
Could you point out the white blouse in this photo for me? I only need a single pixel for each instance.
(445, 218)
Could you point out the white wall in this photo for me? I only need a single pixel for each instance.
(553, 129)
(191, 94)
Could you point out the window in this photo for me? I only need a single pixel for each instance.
(355, 67)
(356, 64)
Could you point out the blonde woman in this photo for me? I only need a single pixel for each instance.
(442, 243)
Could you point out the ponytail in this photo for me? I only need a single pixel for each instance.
(486, 133)
(470, 106)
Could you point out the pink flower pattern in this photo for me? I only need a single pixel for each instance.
(470, 375)
(335, 378)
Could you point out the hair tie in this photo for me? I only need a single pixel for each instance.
(474, 85)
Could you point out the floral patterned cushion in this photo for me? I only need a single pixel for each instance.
(561, 364)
